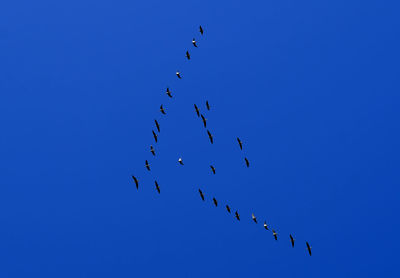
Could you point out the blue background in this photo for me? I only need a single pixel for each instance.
(311, 88)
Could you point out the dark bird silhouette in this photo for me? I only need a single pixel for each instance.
(168, 92)
(247, 162)
(228, 208)
(136, 181)
(212, 169)
(275, 234)
(180, 161)
(308, 248)
(152, 150)
(215, 202)
(178, 74)
(201, 30)
(265, 225)
(157, 125)
(147, 165)
(194, 42)
(187, 55)
(207, 105)
(154, 135)
(291, 240)
(237, 216)
(240, 143)
(197, 110)
(162, 109)
(201, 194)
(254, 218)
(210, 136)
(204, 120)
(157, 187)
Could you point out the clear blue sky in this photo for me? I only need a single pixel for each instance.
(311, 88)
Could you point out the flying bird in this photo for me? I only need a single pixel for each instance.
(215, 202)
(147, 165)
(201, 194)
(291, 240)
(240, 143)
(201, 30)
(210, 136)
(152, 150)
(207, 105)
(265, 225)
(157, 187)
(157, 125)
(187, 55)
(228, 208)
(237, 216)
(178, 74)
(197, 110)
(308, 248)
(168, 92)
(212, 169)
(194, 42)
(204, 120)
(247, 162)
(162, 109)
(254, 218)
(154, 135)
(180, 161)
(275, 234)
(136, 181)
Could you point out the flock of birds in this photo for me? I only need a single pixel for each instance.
(211, 138)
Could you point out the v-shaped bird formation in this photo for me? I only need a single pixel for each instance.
(168, 92)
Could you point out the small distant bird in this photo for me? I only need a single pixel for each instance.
(154, 135)
(136, 181)
(204, 120)
(147, 165)
(265, 225)
(228, 208)
(168, 92)
(254, 218)
(291, 240)
(212, 169)
(247, 162)
(152, 150)
(201, 194)
(178, 74)
(187, 55)
(194, 42)
(237, 215)
(275, 234)
(201, 30)
(180, 161)
(157, 187)
(157, 125)
(207, 105)
(240, 143)
(215, 202)
(308, 248)
(197, 110)
(210, 136)
(162, 109)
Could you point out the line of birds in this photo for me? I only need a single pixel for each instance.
(211, 138)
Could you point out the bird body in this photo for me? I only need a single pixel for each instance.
(207, 105)
(265, 225)
(180, 161)
(210, 136)
(152, 150)
(157, 125)
(308, 248)
(240, 143)
(212, 169)
(228, 208)
(275, 234)
(136, 181)
(237, 215)
(247, 162)
(168, 92)
(178, 74)
(157, 187)
(201, 30)
(291, 240)
(155, 136)
(204, 120)
(215, 202)
(194, 42)
(187, 55)
(254, 218)
(162, 109)
(201, 194)
(197, 110)
(147, 165)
